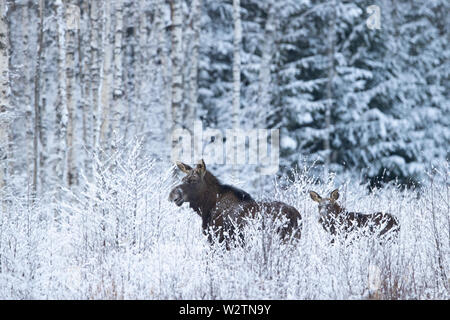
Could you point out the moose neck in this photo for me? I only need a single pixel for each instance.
(336, 209)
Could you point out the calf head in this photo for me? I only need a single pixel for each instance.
(328, 205)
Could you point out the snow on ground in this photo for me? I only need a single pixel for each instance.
(121, 239)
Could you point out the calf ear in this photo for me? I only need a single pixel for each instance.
(334, 195)
(201, 166)
(183, 167)
(315, 196)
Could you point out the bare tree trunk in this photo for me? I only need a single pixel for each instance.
(193, 75)
(118, 107)
(4, 97)
(163, 55)
(177, 60)
(236, 62)
(26, 93)
(43, 147)
(264, 69)
(95, 42)
(264, 109)
(37, 97)
(130, 61)
(106, 77)
(141, 76)
(60, 106)
(236, 104)
(331, 54)
(72, 16)
(84, 71)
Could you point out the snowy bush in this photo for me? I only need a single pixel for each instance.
(118, 237)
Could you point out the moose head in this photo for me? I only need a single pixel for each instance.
(192, 186)
(327, 205)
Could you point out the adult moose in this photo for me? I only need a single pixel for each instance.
(224, 208)
(335, 219)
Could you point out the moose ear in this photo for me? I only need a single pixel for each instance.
(315, 196)
(184, 167)
(334, 195)
(201, 166)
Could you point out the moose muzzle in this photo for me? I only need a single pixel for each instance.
(176, 195)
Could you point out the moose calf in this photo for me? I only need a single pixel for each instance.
(335, 219)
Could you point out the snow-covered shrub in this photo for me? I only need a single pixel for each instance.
(119, 237)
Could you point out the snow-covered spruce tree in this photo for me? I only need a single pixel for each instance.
(374, 124)
(369, 131)
(421, 57)
(406, 88)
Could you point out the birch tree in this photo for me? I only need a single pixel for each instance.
(95, 67)
(72, 21)
(37, 96)
(193, 75)
(118, 107)
(264, 70)
(331, 54)
(4, 95)
(163, 57)
(106, 76)
(27, 91)
(177, 60)
(141, 76)
(236, 102)
(60, 104)
(86, 98)
(236, 62)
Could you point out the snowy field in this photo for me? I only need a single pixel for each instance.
(120, 238)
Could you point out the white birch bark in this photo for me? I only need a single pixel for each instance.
(130, 61)
(60, 105)
(264, 71)
(162, 53)
(4, 96)
(84, 100)
(237, 39)
(106, 81)
(71, 30)
(264, 104)
(117, 110)
(95, 67)
(236, 102)
(177, 60)
(37, 97)
(141, 76)
(45, 173)
(27, 93)
(193, 75)
(331, 54)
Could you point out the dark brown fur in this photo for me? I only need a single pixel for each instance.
(223, 208)
(335, 218)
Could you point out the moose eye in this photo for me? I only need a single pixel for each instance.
(192, 180)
